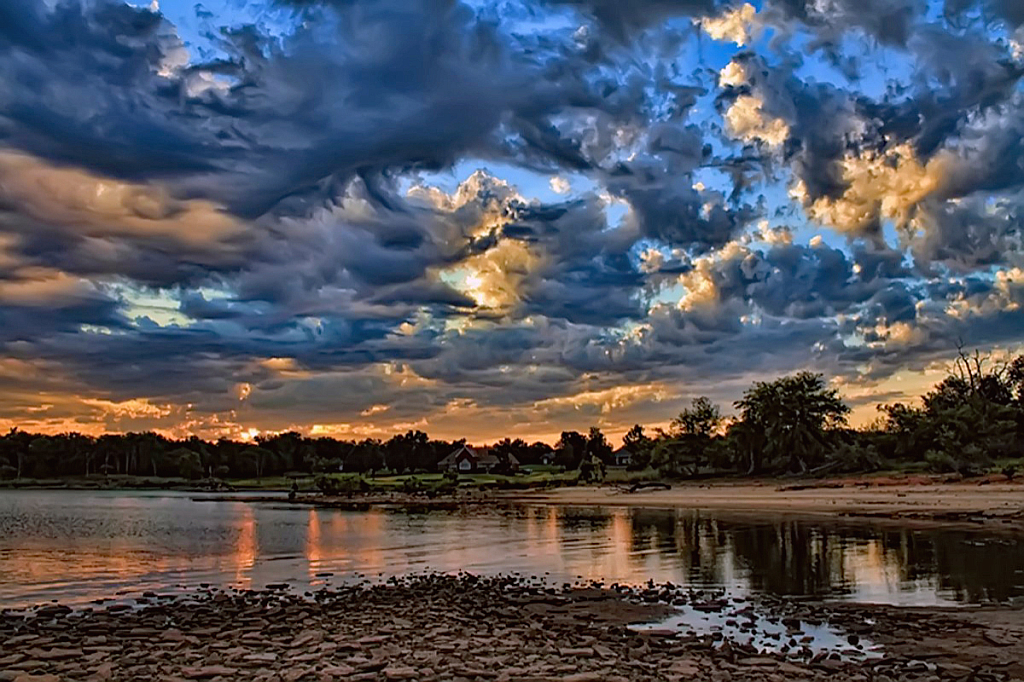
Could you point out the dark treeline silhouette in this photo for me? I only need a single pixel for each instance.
(28, 455)
(794, 424)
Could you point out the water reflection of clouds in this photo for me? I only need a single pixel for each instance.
(156, 543)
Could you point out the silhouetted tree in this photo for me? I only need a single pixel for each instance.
(570, 450)
(792, 416)
(188, 462)
(598, 446)
(685, 448)
(639, 447)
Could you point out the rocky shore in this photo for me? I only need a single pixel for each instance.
(465, 628)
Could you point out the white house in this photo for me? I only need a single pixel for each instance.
(470, 460)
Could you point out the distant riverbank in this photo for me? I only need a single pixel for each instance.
(133, 483)
(988, 500)
(545, 476)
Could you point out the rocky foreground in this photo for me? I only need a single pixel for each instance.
(467, 628)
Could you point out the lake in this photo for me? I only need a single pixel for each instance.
(80, 546)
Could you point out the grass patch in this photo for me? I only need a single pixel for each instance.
(623, 475)
(536, 479)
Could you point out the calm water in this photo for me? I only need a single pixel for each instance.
(81, 546)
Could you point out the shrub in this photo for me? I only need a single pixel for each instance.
(442, 488)
(347, 485)
(591, 470)
(849, 458)
(412, 485)
(940, 462)
(7, 472)
(970, 461)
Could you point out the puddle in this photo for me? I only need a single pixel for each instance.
(743, 624)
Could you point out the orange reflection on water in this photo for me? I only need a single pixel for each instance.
(126, 557)
(870, 565)
(314, 551)
(541, 529)
(246, 548)
(340, 540)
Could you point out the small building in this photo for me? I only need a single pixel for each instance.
(622, 457)
(548, 458)
(470, 460)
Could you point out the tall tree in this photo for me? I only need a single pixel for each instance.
(571, 449)
(598, 446)
(792, 416)
(639, 446)
(684, 449)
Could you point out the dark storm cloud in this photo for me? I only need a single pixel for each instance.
(798, 282)
(379, 84)
(80, 87)
(28, 321)
(966, 74)
(890, 22)
(586, 275)
(969, 236)
(1009, 11)
(621, 19)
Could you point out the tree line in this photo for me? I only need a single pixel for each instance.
(793, 424)
(797, 424)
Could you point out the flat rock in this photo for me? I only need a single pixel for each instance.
(999, 638)
(686, 667)
(207, 671)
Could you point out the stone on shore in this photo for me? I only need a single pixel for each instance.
(469, 629)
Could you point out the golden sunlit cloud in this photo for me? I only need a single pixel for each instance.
(609, 399)
(878, 186)
(134, 408)
(95, 206)
(734, 25)
(494, 278)
(43, 286)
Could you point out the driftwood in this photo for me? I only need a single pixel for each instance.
(826, 467)
(646, 485)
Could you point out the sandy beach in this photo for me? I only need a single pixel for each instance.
(997, 504)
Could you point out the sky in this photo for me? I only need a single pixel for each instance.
(483, 218)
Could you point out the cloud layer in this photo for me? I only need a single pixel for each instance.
(278, 222)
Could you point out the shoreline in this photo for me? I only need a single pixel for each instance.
(505, 629)
(987, 503)
(988, 506)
